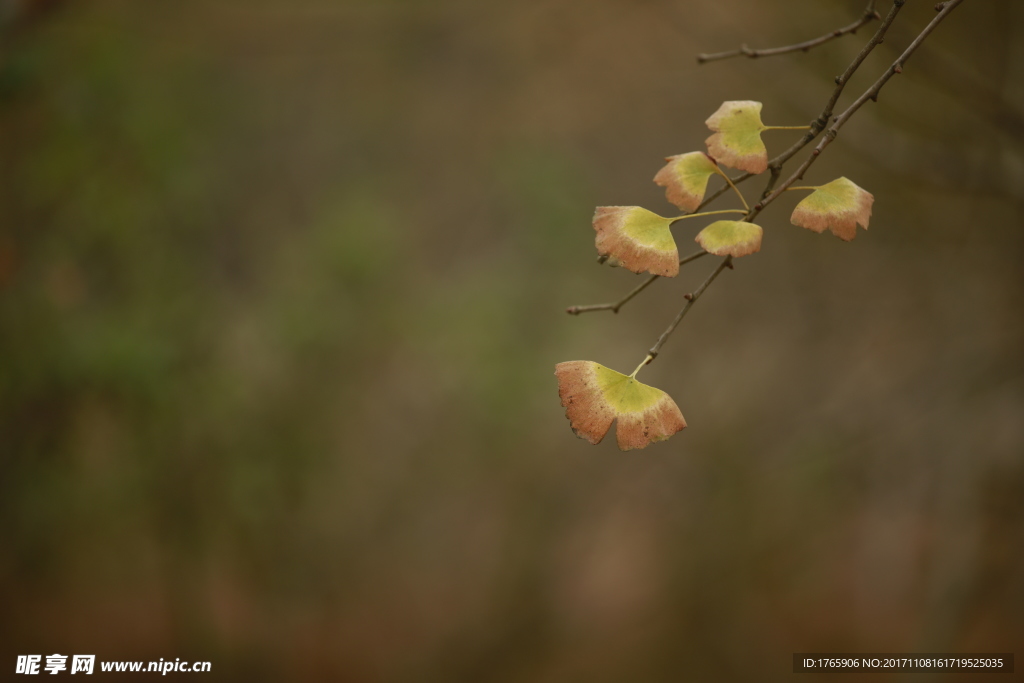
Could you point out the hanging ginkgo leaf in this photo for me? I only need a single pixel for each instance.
(730, 238)
(594, 396)
(685, 179)
(636, 239)
(737, 139)
(839, 206)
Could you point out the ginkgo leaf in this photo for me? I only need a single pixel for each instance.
(737, 138)
(636, 239)
(594, 396)
(730, 238)
(685, 178)
(839, 206)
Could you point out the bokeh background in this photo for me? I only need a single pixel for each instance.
(282, 288)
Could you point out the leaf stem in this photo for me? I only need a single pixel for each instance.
(801, 187)
(710, 213)
(787, 128)
(643, 363)
(736, 189)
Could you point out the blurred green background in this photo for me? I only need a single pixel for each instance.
(281, 294)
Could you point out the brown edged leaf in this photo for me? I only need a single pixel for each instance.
(730, 238)
(737, 136)
(685, 178)
(839, 206)
(636, 239)
(594, 396)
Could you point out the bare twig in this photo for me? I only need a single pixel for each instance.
(870, 94)
(615, 306)
(691, 299)
(869, 15)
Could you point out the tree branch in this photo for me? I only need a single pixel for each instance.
(770, 193)
(869, 15)
(818, 124)
(944, 8)
(616, 305)
(871, 93)
(691, 299)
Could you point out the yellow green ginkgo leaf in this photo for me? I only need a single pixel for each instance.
(839, 206)
(685, 178)
(737, 136)
(594, 397)
(636, 239)
(730, 238)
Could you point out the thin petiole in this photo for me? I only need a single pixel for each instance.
(786, 128)
(710, 213)
(802, 187)
(645, 362)
(735, 189)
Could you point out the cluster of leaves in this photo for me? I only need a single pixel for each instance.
(641, 241)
